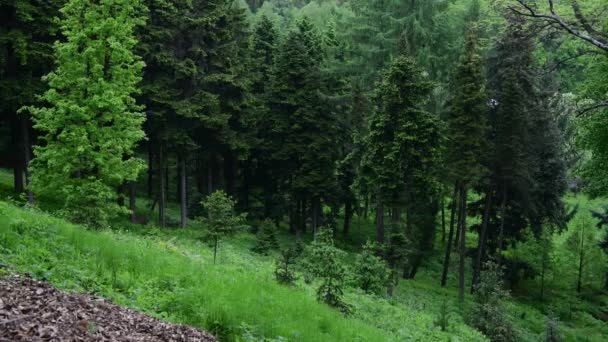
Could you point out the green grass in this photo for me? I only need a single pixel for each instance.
(172, 276)
(169, 273)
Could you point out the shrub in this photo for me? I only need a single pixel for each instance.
(221, 219)
(371, 272)
(489, 314)
(284, 269)
(323, 262)
(266, 238)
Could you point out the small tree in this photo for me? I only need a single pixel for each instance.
(324, 263)
(552, 330)
(443, 318)
(266, 238)
(221, 220)
(371, 272)
(489, 314)
(284, 270)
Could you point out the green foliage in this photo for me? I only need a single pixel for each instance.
(285, 266)
(92, 123)
(489, 312)
(324, 262)
(443, 318)
(552, 329)
(221, 220)
(266, 237)
(169, 274)
(370, 271)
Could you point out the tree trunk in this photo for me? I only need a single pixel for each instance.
(442, 219)
(501, 231)
(581, 261)
(150, 168)
(348, 214)
(183, 193)
(396, 215)
(482, 240)
(210, 177)
(132, 204)
(314, 219)
(379, 220)
(27, 157)
(16, 155)
(463, 235)
(229, 174)
(162, 178)
(448, 247)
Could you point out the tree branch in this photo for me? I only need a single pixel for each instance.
(592, 108)
(554, 17)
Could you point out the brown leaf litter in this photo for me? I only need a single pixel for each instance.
(35, 311)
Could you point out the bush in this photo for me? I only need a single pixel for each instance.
(266, 238)
(323, 261)
(284, 270)
(443, 318)
(552, 329)
(489, 313)
(221, 219)
(371, 272)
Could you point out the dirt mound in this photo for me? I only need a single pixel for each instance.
(35, 311)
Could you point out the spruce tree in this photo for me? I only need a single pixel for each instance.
(467, 135)
(92, 123)
(27, 31)
(299, 125)
(403, 143)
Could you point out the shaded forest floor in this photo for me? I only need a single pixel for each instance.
(170, 274)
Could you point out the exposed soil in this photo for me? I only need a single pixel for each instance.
(35, 311)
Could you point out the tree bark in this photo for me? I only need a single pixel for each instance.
(230, 174)
(581, 261)
(442, 218)
(162, 178)
(348, 214)
(314, 219)
(132, 204)
(16, 155)
(210, 177)
(482, 239)
(183, 193)
(501, 231)
(150, 168)
(448, 247)
(27, 156)
(463, 235)
(379, 220)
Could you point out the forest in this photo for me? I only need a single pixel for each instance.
(305, 170)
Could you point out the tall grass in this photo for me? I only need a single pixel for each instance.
(148, 274)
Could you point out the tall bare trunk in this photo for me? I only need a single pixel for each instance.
(501, 230)
(27, 157)
(379, 220)
(314, 219)
(581, 262)
(463, 235)
(348, 215)
(442, 218)
(161, 195)
(482, 239)
(448, 247)
(183, 194)
(150, 168)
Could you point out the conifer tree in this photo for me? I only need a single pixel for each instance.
(299, 125)
(467, 134)
(402, 146)
(92, 123)
(266, 237)
(27, 33)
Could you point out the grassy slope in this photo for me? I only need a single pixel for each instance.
(169, 273)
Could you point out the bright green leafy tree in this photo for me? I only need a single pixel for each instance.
(92, 123)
